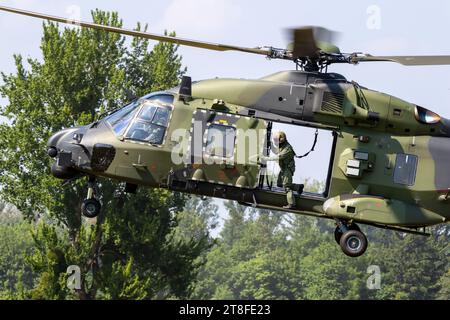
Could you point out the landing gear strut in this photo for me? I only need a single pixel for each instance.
(90, 208)
(338, 233)
(352, 241)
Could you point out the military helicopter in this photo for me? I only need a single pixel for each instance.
(389, 165)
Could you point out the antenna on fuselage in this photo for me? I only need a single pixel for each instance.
(185, 91)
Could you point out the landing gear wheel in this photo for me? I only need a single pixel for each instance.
(353, 243)
(90, 208)
(338, 232)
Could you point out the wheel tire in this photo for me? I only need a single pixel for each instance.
(337, 235)
(353, 243)
(338, 232)
(90, 208)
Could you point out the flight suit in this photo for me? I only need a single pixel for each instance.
(286, 160)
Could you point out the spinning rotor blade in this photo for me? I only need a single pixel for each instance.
(304, 43)
(310, 41)
(146, 35)
(406, 60)
(313, 43)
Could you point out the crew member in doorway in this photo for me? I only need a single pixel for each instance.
(285, 156)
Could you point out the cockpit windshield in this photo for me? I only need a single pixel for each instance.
(145, 120)
(120, 119)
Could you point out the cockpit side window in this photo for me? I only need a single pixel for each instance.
(166, 99)
(161, 117)
(148, 112)
(151, 123)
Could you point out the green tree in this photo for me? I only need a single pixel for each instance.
(269, 275)
(442, 243)
(234, 226)
(131, 250)
(411, 267)
(266, 255)
(444, 286)
(250, 260)
(198, 218)
(327, 274)
(16, 243)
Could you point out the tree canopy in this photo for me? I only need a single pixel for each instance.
(131, 251)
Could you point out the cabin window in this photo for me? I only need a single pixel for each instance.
(426, 116)
(220, 141)
(405, 169)
(166, 99)
(151, 124)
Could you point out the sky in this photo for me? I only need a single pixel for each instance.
(377, 27)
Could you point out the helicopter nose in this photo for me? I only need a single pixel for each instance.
(78, 151)
(54, 141)
(62, 168)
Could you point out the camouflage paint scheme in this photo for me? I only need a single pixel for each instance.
(377, 125)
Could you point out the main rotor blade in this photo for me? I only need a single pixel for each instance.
(407, 60)
(146, 35)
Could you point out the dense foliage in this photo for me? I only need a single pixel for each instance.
(262, 254)
(268, 255)
(132, 250)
